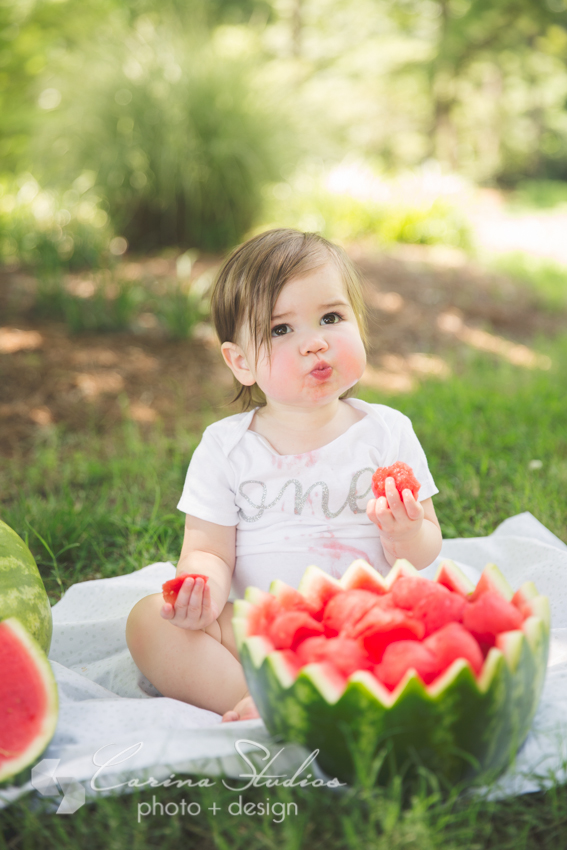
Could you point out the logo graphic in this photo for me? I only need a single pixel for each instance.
(45, 781)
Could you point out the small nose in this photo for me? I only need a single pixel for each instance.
(314, 344)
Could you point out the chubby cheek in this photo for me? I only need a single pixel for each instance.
(275, 378)
(350, 356)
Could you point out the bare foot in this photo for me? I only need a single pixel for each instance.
(243, 710)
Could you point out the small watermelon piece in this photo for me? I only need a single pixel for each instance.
(265, 609)
(438, 609)
(361, 576)
(345, 654)
(406, 655)
(489, 615)
(428, 601)
(408, 591)
(290, 628)
(318, 588)
(381, 627)
(171, 588)
(492, 580)
(291, 599)
(523, 598)
(453, 578)
(451, 642)
(402, 475)
(28, 699)
(345, 610)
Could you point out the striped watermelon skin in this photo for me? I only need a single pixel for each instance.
(459, 727)
(22, 593)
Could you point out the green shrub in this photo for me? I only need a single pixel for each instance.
(53, 229)
(175, 132)
(309, 205)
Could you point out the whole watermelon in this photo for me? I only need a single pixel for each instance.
(22, 593)
(464, 720)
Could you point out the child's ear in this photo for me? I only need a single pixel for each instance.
(236, 361)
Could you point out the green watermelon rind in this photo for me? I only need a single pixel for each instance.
(10, 769)
(22, 593)
(468, 727)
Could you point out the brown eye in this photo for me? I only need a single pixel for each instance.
(280, 330)
(331, 319)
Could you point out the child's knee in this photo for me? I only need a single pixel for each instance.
(140, 623)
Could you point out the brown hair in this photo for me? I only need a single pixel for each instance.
(250, 281)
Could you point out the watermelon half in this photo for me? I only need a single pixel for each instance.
(22, 593)
(28, 699)
(463, 717)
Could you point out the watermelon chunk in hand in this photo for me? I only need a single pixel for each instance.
(403, 477)
(171, 588)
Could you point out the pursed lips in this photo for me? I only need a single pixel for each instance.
(322, 371)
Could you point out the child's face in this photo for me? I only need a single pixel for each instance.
(317, 352)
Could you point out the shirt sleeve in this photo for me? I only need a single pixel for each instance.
(209, 492)
(411, 452)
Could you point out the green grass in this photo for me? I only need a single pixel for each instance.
(99, 507)
(545, 279)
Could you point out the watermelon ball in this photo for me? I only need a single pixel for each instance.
(344, 653)
(454, 641)
(489, 615)
(346, 609)
(405, 655)
(171, 588)
(429, 602)
(403, 477)
(290, 628)
(379, 628)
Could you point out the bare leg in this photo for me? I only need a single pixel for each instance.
(198, 667)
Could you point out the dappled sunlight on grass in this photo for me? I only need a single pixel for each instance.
(518, 355)
(398, 374)
(13, 340)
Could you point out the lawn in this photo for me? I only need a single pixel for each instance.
(93, 506)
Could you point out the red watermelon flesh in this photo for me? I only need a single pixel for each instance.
(380, 627)
(419, 624)
(407, 591)
(454, 641)
(291, 627)
(23, 698)
(345, 654)
(172, 587)
(291, 599)
(345, 610)
(428, 601)
(439, 609)
(489, 615)
(405, 655)
(403, 477)
(263, 615)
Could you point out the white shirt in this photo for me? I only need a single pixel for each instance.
(291, 511)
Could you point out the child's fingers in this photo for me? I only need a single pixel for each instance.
(209, 607)
(413, 508)
(167, 611)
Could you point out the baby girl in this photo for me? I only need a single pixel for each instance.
(287, 482)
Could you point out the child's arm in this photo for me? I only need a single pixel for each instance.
(408, 529)
(208, 549)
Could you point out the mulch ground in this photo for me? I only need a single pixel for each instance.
(425, 305)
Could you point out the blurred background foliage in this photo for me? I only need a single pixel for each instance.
(189, 122)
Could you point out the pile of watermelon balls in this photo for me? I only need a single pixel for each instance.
(416, 624)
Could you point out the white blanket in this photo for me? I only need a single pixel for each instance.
(110, 713)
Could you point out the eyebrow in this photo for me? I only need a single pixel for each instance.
(321, 307)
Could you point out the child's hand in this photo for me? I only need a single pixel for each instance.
(194, 608)
(399, 521)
